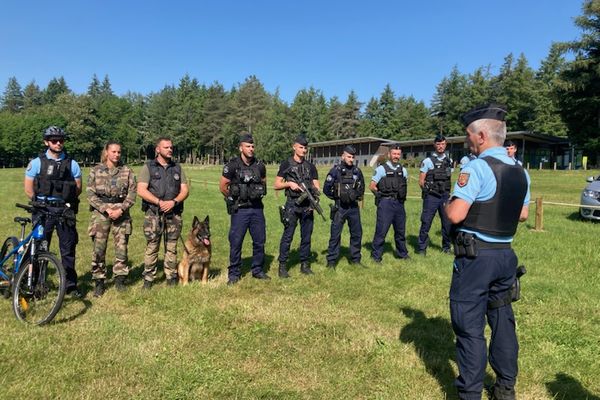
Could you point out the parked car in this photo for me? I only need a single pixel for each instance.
(591, 197)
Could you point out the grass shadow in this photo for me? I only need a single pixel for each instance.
(433, 340)
(71, 315)
(247, 264)
(566, 387)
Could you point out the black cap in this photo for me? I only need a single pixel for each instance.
(486, 111)
(245, 137)
(508, 143)
(439, 138)
(395, 146)
(350, 150)
(301, 139)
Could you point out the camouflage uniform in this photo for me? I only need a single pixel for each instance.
(155, 224)
(110, 188)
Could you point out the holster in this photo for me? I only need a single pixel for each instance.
(284, 216)
(333, 210)
(231, 204)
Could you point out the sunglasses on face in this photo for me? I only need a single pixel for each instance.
(56, 140)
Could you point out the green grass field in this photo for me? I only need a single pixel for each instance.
(378, 333)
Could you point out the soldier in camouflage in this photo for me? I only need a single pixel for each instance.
(111, 192)
(163, 188)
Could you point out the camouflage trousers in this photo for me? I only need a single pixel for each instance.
(154, 228)
(100, 227)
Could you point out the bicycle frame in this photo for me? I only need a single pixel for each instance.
(21, 250)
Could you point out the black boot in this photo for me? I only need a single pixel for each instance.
(120, 283)
(99, 289)
(305, 268)
(147, 285)
(173, 281)
(499, 392)
(283, 272)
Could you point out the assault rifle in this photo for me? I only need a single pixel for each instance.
(306, 194)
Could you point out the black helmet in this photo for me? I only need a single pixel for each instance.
(54, 131)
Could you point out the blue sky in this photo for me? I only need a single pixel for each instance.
(334, 46)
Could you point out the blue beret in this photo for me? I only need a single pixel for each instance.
(486, 111)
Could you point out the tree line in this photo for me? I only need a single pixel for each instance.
(560, 98)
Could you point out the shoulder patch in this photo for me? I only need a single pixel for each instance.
(329, 178)
(463, 179)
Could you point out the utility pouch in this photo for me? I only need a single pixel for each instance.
(516, 287)
(231, 205)
(465, 245)
(283, 216)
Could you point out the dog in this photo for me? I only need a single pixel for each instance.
(197, 253)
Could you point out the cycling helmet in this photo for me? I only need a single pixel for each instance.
(54, 131)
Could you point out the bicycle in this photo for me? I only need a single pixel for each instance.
(33, 276)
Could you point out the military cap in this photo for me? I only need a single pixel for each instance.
(486, 111)
(439, 138)
(395, 146)
(508, 143)
(301, 139)
(349, 149)
(245, 137)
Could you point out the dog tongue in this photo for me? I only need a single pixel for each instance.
(206, 241)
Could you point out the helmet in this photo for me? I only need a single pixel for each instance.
(54, 131)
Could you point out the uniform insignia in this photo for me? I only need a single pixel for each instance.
(329, 178)
(225, 169)
(463, 179)
(176, 177)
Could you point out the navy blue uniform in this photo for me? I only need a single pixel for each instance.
(390, 210)
(346, 186)
(301, 213)
(480, 281)
(248, 214)
(438, 170)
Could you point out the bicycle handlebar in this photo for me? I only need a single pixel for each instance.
(42, 207)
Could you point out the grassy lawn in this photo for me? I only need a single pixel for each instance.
(378, 333)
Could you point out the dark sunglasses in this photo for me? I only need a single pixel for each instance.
(56, 140)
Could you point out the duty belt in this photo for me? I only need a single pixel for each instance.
(467, 245)
(112, 200)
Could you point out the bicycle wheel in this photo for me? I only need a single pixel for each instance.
(39, 289)
(8, 267)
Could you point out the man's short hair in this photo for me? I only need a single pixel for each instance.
(439, 138)
(161, 138)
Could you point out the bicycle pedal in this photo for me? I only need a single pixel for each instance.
(24, 304)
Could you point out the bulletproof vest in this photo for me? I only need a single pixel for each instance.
(393, 184)
(112, 187)
(499, 216)
(439, 177)
(247, 184)
(347, 189)
(165, 183)
(56, 179)
(297, 172)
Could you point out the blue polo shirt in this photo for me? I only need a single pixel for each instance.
(380, 171)
(481, 185)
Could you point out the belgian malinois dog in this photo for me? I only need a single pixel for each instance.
(197, 252)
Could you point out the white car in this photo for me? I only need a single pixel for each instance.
(591, 197)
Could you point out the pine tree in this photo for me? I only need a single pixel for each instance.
(12, 98)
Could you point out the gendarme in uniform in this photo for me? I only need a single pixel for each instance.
(55, 179)
(243, 185)
(491, 195)
(110, 188)
(345, 185)
(163, 187)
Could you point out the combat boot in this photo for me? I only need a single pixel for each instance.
(305, 268)
(147, 285)
(99, 289)
(499, 392)
(173, 281)
(283, 272)
(120, 283)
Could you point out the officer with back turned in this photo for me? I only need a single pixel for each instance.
(389, 185)
(297, 175)
(434, 180)
(345, 185)
(163, 188)
(54, 178)
(243, 184)
(490, 197)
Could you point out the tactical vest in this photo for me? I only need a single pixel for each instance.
(56, 179)
(439, 177)
(297, 172)
(247, 185)
(165, 183)
(347, 189)
(499, 216)
(393, 184)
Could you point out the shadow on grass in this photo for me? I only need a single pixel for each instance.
(434, 343)
(566, 387)
(71, 309)
(576, 216)
(247, 264)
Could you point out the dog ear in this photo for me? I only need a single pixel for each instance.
(196, 222)
(206, 219)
